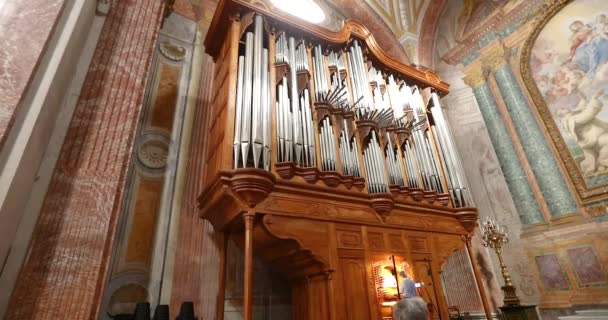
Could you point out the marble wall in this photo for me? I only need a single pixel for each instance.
(70, 248)
(23, 43)
(139, 256)
(29, 156)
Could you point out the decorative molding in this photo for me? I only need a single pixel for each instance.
(153, 154)
(171, 51)
(498, 23)
(586, 194)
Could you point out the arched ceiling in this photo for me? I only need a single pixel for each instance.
(406, 29)
(384, 18)
(404, 18)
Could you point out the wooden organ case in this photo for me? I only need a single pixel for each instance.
(330, 161)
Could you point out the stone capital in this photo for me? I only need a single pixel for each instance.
(474, 75)
(494, 56)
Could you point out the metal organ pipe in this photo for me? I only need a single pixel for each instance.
(256, 130)
(427, 155)
(296, 127)
(239, 111)
(374, 166)
(246, 115)
(328, 147)
(456, 178)
(393, 163)
(265, 111)
(252, 122)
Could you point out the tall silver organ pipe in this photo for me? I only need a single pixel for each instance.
(358, 75)
(239, 111)
(328, 147)
(252, 125)
(426, 160)
(392, 161)
(398, 100)
(284, 122)
(374, 166)
(456, 179)
(309, 159)
(295, 135)
(412, 172)
(349, 152)
(266, 121)
(320, 73)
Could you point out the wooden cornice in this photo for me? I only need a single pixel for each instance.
(222, 202)
(233, 9)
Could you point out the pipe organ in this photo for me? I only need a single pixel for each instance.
(339, 157)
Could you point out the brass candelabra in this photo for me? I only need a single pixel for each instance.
(495, 236)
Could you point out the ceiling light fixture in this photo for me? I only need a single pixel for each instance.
(303, 9)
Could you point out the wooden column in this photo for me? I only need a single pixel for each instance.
(482, 290)
(221, 295)
(63, 276)
(248, 277)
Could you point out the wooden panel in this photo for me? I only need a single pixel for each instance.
(318, 307)
(422, 270)
(396, 242)
(375, 241)
(418, 244)
(354, 280)
(351, 253)
(218, 115)
(349, 239)
(299, 301)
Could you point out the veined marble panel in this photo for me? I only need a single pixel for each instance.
(22, 46)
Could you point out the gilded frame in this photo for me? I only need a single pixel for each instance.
(587, 195)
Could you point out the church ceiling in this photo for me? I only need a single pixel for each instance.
(384, 18)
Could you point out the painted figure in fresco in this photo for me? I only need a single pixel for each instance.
(572, 76)
(591, 133)
(589, 44)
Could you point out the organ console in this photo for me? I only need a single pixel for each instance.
(325, 158)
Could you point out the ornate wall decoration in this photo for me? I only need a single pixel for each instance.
(171, 51)
(566, 76)
(153, 154)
